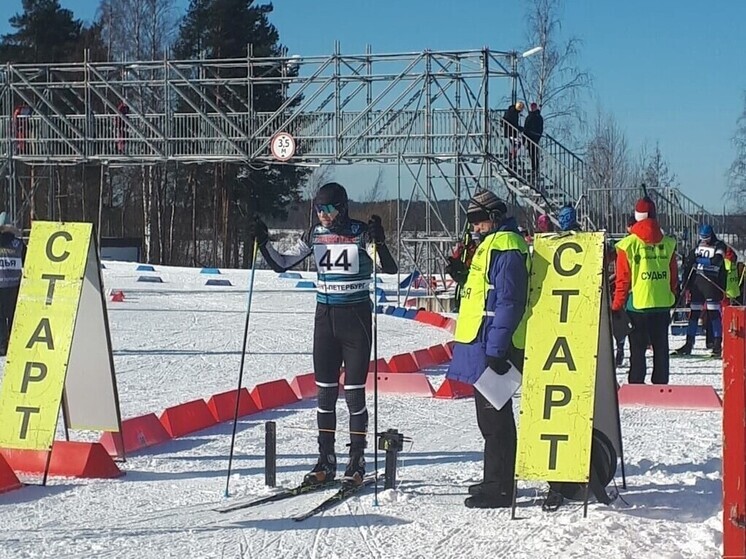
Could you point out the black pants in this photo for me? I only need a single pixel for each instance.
(342, 334)
(8, 300)
(498, 429)
(648, 327)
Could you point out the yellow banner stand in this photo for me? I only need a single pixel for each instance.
(569, 367)
(51, 353)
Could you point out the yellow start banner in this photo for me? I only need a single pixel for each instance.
(559, 374)
(42, 334)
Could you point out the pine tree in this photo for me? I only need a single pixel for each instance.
(45, 32)
(226, 29)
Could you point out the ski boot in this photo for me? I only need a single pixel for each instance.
(355, 471)
(717, 347)
(686, 349)
(323, 472)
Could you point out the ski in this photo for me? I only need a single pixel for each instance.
(344, 493)
(302, 489)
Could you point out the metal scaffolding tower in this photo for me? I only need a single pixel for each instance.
(436, 115)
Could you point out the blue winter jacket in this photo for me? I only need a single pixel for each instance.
(508, 301)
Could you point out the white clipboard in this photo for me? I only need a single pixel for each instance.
(499, 389)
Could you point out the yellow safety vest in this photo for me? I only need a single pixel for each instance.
(649, 271)
(732, 287)
(474, 294)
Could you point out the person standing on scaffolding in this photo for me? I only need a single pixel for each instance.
(342, 327)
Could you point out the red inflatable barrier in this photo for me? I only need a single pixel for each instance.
(453, 389)
(413, 383)
(273, 394)
(383, 367)
(223, 405)
(304, 386)
(701, 397)
(137, 433)
(449, 348)
(69, 459)
(424, 359)
(187, 418)
(431, 318)
(450, 325)
(439, 354)
(403, 363)
(8, 479)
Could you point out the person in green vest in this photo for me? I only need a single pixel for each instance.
(646, 285)
(732, 287)
(490, 338)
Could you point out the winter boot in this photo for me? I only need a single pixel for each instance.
(323, 472)
(485, 487)
(355, 471)
(489, 500)
(686, 349)
(717, 347)
(552, 501)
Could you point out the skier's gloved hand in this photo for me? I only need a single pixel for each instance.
(457, 270)
(497, 364)
(375, 230)
(259, 231)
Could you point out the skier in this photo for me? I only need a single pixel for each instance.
(12, 256)
(490, 332)
(705, 278)
(342, 327)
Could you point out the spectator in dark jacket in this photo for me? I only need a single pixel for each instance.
(490, 332)
(533, 129)
(512, 132)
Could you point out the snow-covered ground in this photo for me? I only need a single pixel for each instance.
(181, 340)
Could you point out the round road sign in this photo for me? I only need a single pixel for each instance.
(282, 146)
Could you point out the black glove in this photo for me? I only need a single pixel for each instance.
(457, 270)
(375, 230)
(259, 231)
(500, 366)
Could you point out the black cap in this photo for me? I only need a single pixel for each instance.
(332, 193)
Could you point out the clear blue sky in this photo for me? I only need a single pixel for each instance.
(672, 71)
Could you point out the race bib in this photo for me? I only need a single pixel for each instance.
(337, 258)
(705, 252)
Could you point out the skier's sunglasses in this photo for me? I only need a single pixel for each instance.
(328, 209)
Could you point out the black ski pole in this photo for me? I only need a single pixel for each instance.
(241, 367)
(375, 378)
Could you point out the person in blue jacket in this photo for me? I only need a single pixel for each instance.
(344, 250)
(490, 332)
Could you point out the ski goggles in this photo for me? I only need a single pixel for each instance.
(328, 209)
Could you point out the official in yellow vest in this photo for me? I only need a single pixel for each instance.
(490, 331)
(732, 287)
(12, 256)
(646, 284)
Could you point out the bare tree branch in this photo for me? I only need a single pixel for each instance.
(552, 77)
